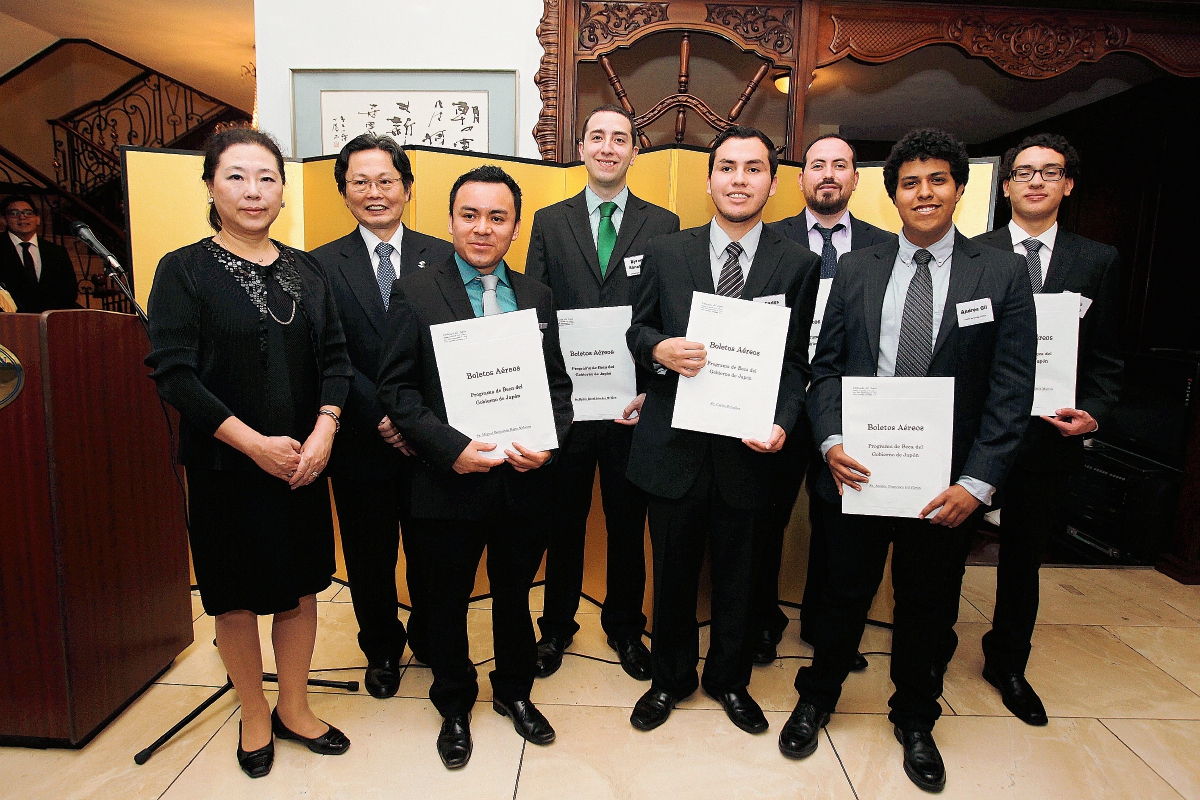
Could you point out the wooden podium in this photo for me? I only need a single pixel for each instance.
(94, 586)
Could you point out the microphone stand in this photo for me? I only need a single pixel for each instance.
(117, 275)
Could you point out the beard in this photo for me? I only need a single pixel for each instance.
(834, 205)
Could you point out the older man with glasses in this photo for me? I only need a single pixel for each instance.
(38, 274)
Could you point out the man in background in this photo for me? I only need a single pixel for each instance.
(38, 274)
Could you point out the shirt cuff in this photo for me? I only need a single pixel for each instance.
(979, 490)
(828, 443)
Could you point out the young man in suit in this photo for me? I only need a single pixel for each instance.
(1038, 174)
(706, 489)
(892, 312)
(38, 274)
(371, 466)
(826, 227)
(463, 498)
(588, 249)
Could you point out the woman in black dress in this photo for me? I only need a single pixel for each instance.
(248, 346)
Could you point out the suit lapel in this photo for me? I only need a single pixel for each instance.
(965, 272)
(359, 275)
(695, 253)
(632, 219)
(878, 274)
(800, 224)
(449, 280)
(412, 251)
(1061, 260)
(766, 262)
(581, 228)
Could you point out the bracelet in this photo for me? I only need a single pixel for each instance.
(337, 421)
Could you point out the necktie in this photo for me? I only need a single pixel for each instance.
(27, 260)
(915, 349)
(828, 251)
(1033, 261)
(731, 281)
(606, 236)
(386, 274)
(491, 303)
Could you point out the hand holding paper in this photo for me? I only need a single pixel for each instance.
(950, 507)
(845, 470)
(1072, 421)
(680, 355)
(472, 459)
(773, 444)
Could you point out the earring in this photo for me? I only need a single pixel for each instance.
(210, 200)
(283, 204)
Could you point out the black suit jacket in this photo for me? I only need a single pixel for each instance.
(57, 287)
(410, 391)
(664, 461)
(992, 363)
(862, 234)
(358, 450)
(1094, 271)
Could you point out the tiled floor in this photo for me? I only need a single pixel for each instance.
(1116, 659)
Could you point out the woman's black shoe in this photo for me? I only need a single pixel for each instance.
(332, 743)
(256, 763)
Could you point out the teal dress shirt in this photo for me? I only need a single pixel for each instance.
(504, 291)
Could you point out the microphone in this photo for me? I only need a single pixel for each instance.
(84, 234)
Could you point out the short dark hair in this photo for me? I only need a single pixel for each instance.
(853, 151)
(16, 198)
(488, 173)
(743, 132)
(1050, 141)
(922, 145)
(615, 109)
(221, 141)
(370, 141)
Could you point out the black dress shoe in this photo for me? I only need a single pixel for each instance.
(860, 662)
(332, 743)
(383, 678)
(762, 649)
(922, 761)
(635, 658)
(798, 739)
(651, 710)
(256, 763)
(527, 720)
(454, 741)
(1019, 697)
(550, 655)
(742, 710)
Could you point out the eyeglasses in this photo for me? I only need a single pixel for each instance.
(17, 213)
(383, 184)
(1025, 174)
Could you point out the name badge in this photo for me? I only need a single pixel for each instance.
(771, 299)
(543, 325)
(975, 312)
(633, 266)
(1084, 304)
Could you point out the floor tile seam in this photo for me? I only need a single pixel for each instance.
(190, 685)
(1136, 755)
(838, 756)
(1181, 611)
(1135, 651)
(520, 764)
(202, 748)
(978, 610)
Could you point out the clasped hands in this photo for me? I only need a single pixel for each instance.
(472, 458)
(688, 358)
(298, 464)
(949, 508)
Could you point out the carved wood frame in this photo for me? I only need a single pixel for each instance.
(803, 35)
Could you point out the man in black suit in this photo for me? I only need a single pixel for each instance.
(885, 305)
(704, 488)
(371, 466)
(565, 247)
(826, 227)
(463, 499)
(1038, 174)
(38, 274)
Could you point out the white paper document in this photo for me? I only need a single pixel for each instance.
(594, 348)
(902, 430)
(1057, 352)
(818, 315)
(735, 394)
(494, 380)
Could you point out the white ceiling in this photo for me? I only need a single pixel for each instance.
(203, 43)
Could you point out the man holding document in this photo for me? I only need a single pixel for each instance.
(924, 367)
(588, 249)
(1038, 174)
(704, 453)
(474, 347)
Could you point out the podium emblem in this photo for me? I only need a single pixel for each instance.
(12, 376)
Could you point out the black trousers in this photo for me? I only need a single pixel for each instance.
(450, 551)
(370, 515)
(679, 531)
(818, 566)
(770, 526)
(587, 445)
(926, 561)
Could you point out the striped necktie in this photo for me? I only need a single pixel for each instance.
(1033, 262)
(914, 352)
(731, 281)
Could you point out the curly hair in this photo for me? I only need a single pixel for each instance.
(922, 145)
(488, 173)
(1050, 141)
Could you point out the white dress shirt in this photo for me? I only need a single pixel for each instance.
(718, 240)
(1046, 237)
(840, 239)
(373, 241)
(35, 251)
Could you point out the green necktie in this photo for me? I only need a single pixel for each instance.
(606, 236)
